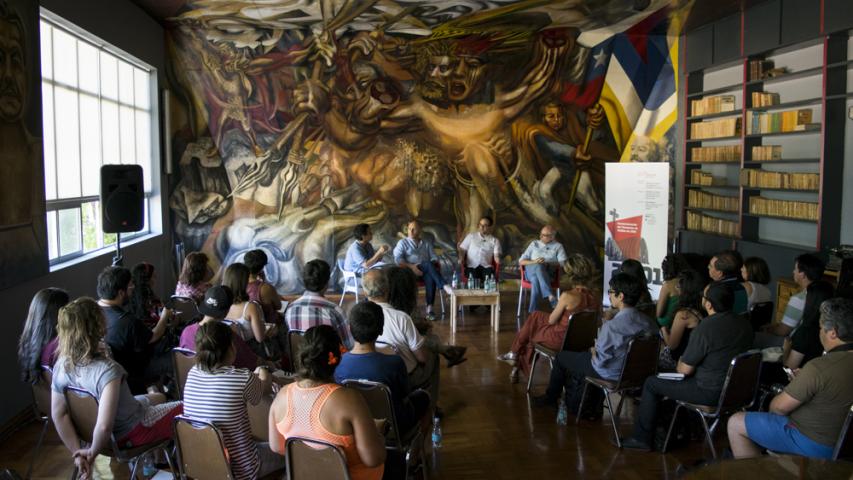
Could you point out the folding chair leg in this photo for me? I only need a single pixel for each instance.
(532, 370)
(441, 300)
(520, 298)
(134, 465)
(612, 419)
(343, 294)
(36, 449)
(169, 461)
(580, 405)
(619, 405)
(709, 437)
(671, 425)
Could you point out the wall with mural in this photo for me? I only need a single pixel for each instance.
(294, 121)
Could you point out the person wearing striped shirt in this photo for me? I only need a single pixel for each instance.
(218, 392)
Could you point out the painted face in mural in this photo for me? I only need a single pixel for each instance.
(13, 74)
(434, 86)
(372, 97)
(554, 117)
(643, 149)
(465, 78)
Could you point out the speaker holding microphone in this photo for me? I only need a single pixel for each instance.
(122, 198)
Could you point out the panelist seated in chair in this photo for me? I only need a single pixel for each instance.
(807, 417)
(218, 392)
(315, 407)
(418, 255)
(541, 260)
(548, 329)
(605, 359)
(363, 362)
(480, 251)
(132, 420)
(718, 338)
(361, 255)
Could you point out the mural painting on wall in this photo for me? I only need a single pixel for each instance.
(23, 246)
(296, 121)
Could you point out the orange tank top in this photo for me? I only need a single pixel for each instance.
(302, 419)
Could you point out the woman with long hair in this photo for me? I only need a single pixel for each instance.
(316, 407)
(667, 302)
(756, 276)
(144, 303)
(688, 314)
(259, 289)
(249, 317)
(548, 329)
(38, 343)
(195, 277)
(134, 421)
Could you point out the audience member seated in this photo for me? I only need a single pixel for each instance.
(312, 308)
(248, 316)
(667, 303)
(217, 301)
(689, 290)
(315, 407)
(480, 251)
(144, 303)
(38, 343)
(715, 342)
(541, 259)
(218, 392)
(807, 417)
(195, 277)
(259, 289)
(547, 329)
(605, 359)
(361, 256)
(635, 269)
(725, 267)
(134, 346)
(363, 362)
(134, 421)
(417, 254)
(845, 280)
(804, 342)
(756, 276)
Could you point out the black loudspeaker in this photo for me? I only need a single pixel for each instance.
(122, 198)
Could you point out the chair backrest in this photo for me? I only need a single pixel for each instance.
(555, 282)
(42, 391)
(581, 331)
(641, 362)
(381, 405)
(201, 450)
(184, 309)
(313, 459)
(83, 410)
(182, 361)
(259, 418)
(295, 339)
(760, 314)
(741, 383)
(844, 446)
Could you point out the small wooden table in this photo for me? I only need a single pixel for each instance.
(462, 297)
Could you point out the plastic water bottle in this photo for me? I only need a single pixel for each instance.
(471, 283)
(436, 432)
(562, 412)
(148, 468)
(454, 282)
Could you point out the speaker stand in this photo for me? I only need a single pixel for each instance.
(118, 259)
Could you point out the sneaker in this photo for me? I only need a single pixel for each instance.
(430, 316)
(508, 357)
(513, 375)
(448, 290)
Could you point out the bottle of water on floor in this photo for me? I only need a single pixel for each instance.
(436, 432)
(148, 468)
(562, 412)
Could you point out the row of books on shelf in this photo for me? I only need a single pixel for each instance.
(698, 177)
(723, 153)
(704, 223)
(767, 152)
(764, 99)
(783, 208)
(750, 177)
(724, 127)
(711, 105)
(700, 199)
(779, 122)
(757, 68)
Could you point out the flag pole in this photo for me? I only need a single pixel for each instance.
(584, 149)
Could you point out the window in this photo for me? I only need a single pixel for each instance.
(97, 109)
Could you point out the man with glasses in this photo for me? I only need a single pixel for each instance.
(480, 251)
(541, 260)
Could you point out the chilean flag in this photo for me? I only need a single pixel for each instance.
(587, 93)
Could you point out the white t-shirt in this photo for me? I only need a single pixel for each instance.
(480, 250)
(400, 332)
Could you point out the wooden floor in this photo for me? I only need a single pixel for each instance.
(490, 431)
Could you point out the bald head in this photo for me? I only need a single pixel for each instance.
(375, 285)
(547, 234)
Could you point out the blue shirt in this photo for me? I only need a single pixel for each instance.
(611, 346)
(552, 252)
(357, 254)
(377, 367)
(409, 251)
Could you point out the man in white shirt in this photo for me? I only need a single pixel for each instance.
(541, 260)
(480, 251)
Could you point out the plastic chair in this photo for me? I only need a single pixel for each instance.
(844, 445)
(641, 362)
(41, 406)
(525, 285)
(351, 283)
(83, 410)
(184, 310)
(183, 360)
(201, 449)
(760, 314)
(579, 336)
(464, 278)
(294, 341)
(310, 459)
(738, 393)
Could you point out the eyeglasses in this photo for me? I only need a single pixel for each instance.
(546, 234)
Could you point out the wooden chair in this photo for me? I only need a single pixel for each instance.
(524, 285)
(641, 362)
(310, 459)
(579, 336)
(184, 310)
(182, 361)
(294, 341)
(379, 400)
(41, 406)
(738, 393)
(83, 410)
(201, 449)
(844, 445)
(760, 314)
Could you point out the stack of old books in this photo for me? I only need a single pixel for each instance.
(767, 152)
(783, 208)
(704, 223)
(764, 99)
(723, 153)
(780, 122)
(711, 105)
(700, 199)
(757, 68)
(698, 177)
(725, 127)
(750, 177)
